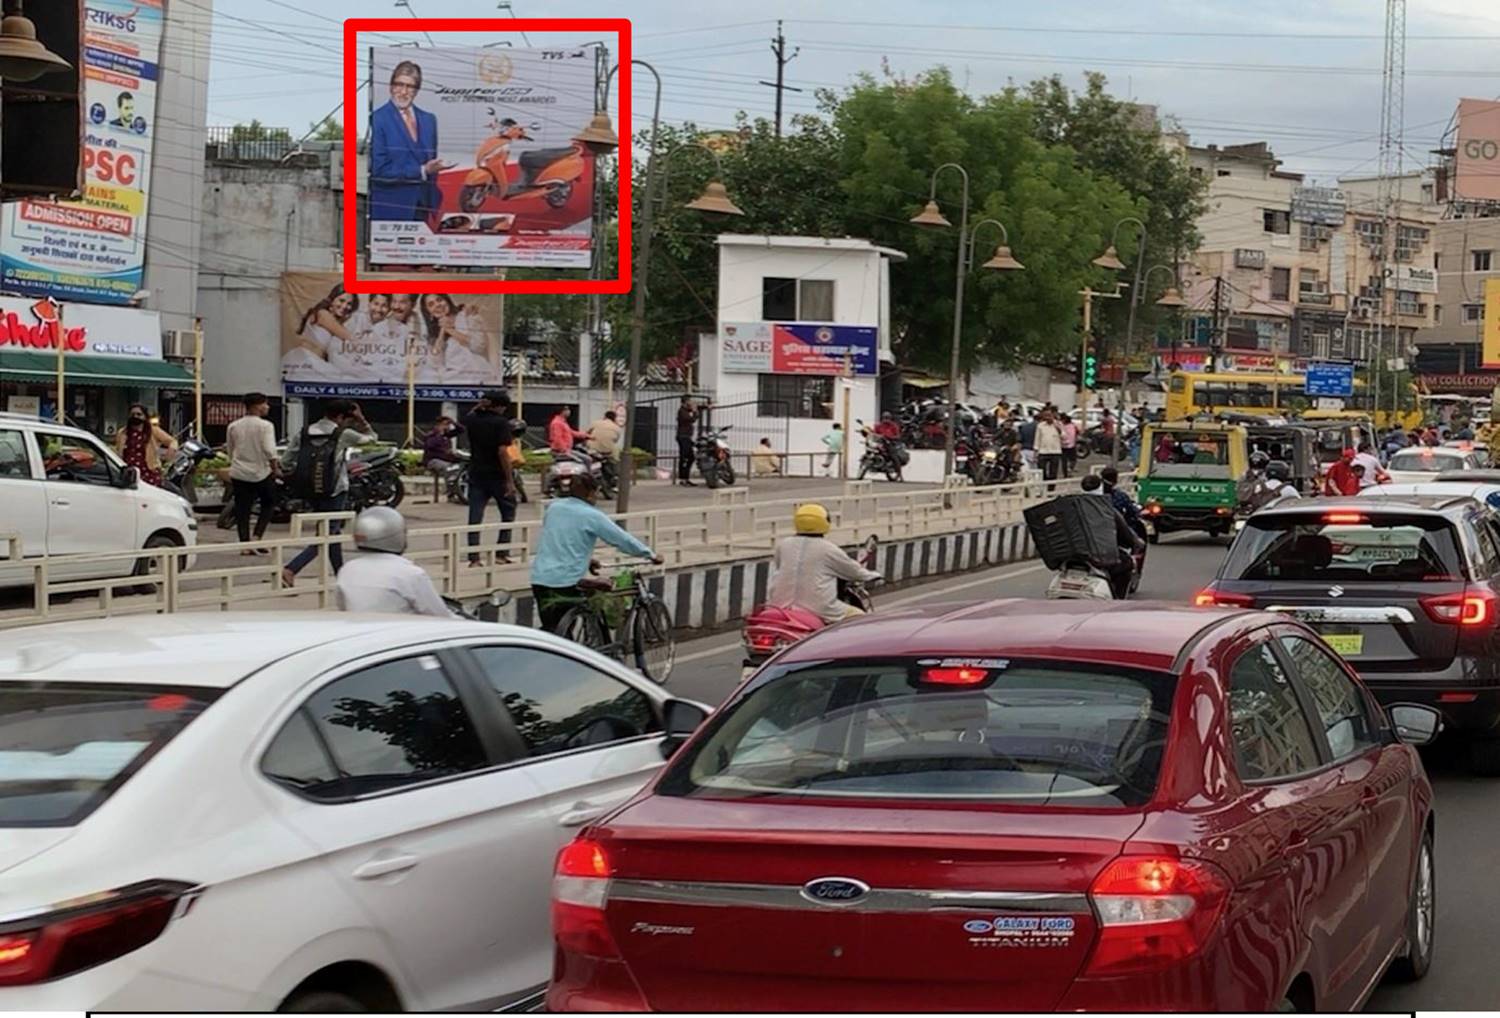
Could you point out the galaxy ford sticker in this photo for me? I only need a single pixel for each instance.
(1021, 931)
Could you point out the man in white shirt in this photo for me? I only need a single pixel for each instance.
(1048, 442)
(383, 579)
(806, 569)
(253, 467)
(1374, 473)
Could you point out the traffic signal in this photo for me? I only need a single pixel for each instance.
(1088, 369)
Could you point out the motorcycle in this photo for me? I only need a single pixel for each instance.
(375, 478)
(549, 172)
(568, 465)
(882, 455)
(995, 464)
(712, 453)
(179, 474)
(285, 506)
(768, 629)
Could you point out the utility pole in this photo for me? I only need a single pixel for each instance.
(1216, 338)
(1392, 117)
(778, 47)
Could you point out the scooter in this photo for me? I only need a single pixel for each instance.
(566, 466)
(714, 460)
(769, 629)
(178, 477)
(548, 172)
(375, 479)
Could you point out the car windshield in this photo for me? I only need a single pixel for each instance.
(1427, 461)
(65, 748)
(1345, 547)
(1189, 454)
(1034, 733)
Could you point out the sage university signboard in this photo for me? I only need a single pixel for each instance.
(798, 348)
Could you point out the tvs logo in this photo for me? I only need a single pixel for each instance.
(495, 68)
(43, 335)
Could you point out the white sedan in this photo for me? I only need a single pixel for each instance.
(300, 811)
(1413, 466)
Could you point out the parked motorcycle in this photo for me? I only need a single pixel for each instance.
(375, 478)
(549, 172)
(768, 629)
(568, 465)
(284, 507)
(178, 476)
(455, 478)
(715, 461)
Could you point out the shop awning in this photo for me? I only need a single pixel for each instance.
(146, 374)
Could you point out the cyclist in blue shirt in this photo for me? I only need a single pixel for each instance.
(564, 552)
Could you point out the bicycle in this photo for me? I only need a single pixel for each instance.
(643, 629)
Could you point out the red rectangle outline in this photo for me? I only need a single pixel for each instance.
(353, 26)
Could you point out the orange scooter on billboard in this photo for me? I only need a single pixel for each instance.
(549, 173)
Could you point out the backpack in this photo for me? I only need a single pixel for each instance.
(317, 471)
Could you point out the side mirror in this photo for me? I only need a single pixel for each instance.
(500, 598)
(1415, 724)
(130, 478)
(681, 718)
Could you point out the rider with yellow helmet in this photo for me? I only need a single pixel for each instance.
(806, 568)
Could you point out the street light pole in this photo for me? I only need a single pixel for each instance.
(599, 137)
(1111, 260)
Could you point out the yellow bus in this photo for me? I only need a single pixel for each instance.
(1190, 393)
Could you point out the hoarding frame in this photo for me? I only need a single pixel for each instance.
(481, 284)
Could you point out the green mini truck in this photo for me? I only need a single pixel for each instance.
(1189, 476)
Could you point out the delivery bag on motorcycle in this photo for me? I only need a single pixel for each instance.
(1073, 528)
(316, 472)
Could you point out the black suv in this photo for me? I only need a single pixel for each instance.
(1407, 589)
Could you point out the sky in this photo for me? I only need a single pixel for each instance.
(1303, 76)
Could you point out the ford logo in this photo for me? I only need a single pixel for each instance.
(978, 926)
(835, 890)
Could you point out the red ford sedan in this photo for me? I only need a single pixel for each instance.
(1021, 805)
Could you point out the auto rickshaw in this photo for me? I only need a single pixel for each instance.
(1189, 477)
(1294, 445)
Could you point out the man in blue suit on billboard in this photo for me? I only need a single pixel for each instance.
(403, 152)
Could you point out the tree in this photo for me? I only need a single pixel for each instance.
(326, 129)
(256, 131)
(1057, 214)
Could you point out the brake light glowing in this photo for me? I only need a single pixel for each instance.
(1345, 518)
(1473, 607)
(1154, 911)
(170, 703)
(955, 676)
(580, 890)
(1208, 597)
(73, 938)
(1153, 509)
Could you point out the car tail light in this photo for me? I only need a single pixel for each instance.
(954, 676)
(1457, 697)
(71, 938)
(1345, 518)
(580, 889)
(1154, 911)
(1474, 607)
(1153, 508)
(1208, 597)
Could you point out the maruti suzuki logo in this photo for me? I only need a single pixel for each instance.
(1335, 591)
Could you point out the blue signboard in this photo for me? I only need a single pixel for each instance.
(1329, 378)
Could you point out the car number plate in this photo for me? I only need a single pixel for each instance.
(1347, 644)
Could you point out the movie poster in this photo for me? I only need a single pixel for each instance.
(95, 249)
(360, 344)
(472, 161)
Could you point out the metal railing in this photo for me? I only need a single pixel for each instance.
(216, 577)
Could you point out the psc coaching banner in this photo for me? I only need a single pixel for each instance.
(472, 161)
(94, 250)
(346, 344)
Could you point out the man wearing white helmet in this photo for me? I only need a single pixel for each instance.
(383, 579)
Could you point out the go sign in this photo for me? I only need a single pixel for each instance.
(1476, 148)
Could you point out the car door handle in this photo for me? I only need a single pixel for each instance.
(384, 866)
(582, 813)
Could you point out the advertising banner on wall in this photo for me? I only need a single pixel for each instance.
(1477, 159)
(95, 249)
(472, 160)
(1491, 344)
(29, 325)
(345, 344)
(798, 348)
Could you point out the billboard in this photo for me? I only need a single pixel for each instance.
(89, 330)
(1491, 345)
(348, 344)
(1477, 162)
(41, 121)
(472, 161)
(95, 249)
(1322, 206)
(798, 348)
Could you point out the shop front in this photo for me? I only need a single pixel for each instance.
(112, 357)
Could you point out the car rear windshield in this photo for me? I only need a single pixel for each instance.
(1189, 454)
(1345, 547)
(1033, 733)
(65, 748)
(1424, 462)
